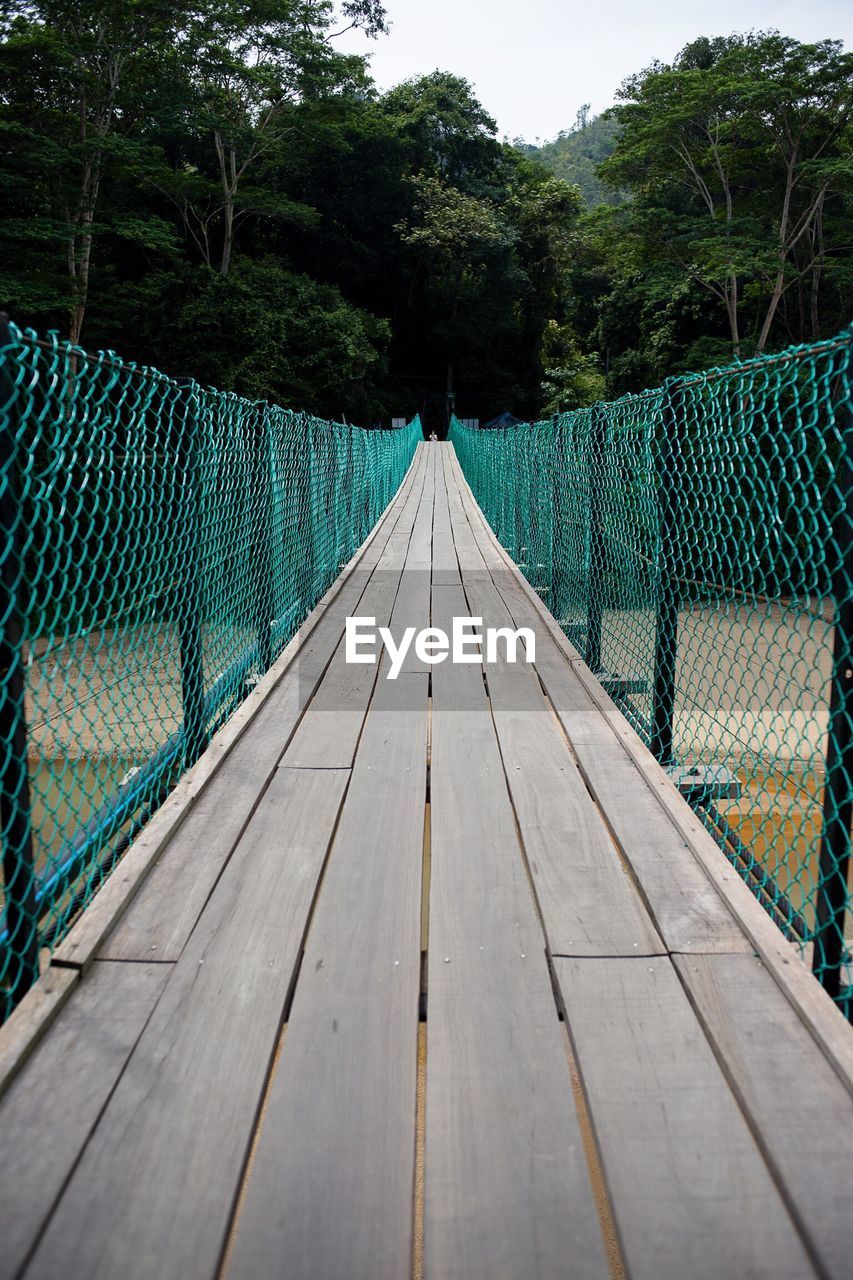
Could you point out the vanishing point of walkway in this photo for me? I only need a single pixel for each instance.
(435, 976)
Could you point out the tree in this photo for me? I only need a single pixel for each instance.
(273, 333)
(253, 66)
(543, 213)
(449, 135)
(93, 87)
(575, 154)
(455, 237)
(69, 69)
(571, 378)
(731, 155)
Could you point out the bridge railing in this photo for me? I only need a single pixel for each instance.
(696, 544)
(161, 544)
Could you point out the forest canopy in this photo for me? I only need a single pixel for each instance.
(218, 190)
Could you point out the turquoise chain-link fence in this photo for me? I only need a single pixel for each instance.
(696, 544)
(162, 543)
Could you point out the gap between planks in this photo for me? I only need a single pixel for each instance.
(601, 1197)
(250, 1157)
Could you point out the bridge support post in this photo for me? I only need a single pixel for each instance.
(262, 541)
(19, 881)
(596, 458)
(668, 594)
(560, 538)
(834, 855)
(188, 603)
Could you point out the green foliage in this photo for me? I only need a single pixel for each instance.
(738, 161)
(572, 379)
(446, 131)
(455, 229)
(575, 154)
(207, 187)
(267, 333)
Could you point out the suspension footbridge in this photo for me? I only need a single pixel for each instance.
(436, 976)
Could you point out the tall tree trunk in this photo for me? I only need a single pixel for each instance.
(81, 282)
(774, 303)
(732, 309)
(801, 310)
(80, 247)
(782, 256)
(92, 139)
(75, 323)
(227, 236)
(229, 194)
(817, 270)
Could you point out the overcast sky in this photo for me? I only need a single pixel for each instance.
(533, 62)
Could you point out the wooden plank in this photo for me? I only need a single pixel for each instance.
(589, 904)
(331, 1189)
(825, 1020)
(507, 1191)
(707, 929)
(160, 929)
(412, 602)
(412, 605)
(445, 568)
(49, 1111)
(168, 906)
(165, 911)
(690, 1192)
(313, 665)
(329, 731)
(420, 549)
(688, 913)
(799, 1108)
(153, 1191)
(29, 1022)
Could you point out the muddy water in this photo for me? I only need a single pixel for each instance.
(64, 794)
(779, 818)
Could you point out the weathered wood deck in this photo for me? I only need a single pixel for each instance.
(437, 975)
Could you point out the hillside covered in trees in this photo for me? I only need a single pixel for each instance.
(575, 154)
(218, 190)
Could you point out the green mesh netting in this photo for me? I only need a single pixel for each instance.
(161, 544)
(695, 544)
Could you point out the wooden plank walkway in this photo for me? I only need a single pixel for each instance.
(436, 977)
